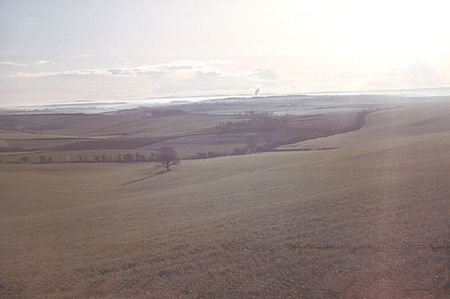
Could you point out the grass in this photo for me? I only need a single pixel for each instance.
(366, 220)
(410, 120)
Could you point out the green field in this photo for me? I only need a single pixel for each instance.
(368, 219)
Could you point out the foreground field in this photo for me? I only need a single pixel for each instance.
(366, 220)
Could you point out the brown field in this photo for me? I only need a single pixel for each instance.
(369, 219)
(72, 135)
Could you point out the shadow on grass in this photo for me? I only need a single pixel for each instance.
(144, 178)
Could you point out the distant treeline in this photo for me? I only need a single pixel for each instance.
(128, 157)
(153, 112)
(258, 122)
(250, 148)
(10, 149)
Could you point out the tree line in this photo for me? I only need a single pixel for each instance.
(166, 156)
(258, 122)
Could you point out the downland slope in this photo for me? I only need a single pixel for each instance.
(370, 219)
(408, 120)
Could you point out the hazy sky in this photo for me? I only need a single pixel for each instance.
(55, 51)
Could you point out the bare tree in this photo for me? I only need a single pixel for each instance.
(167, 156)
(251, 144)
(128, 157)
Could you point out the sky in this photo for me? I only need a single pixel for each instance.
(106, 50)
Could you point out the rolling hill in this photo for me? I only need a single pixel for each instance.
(369, 219)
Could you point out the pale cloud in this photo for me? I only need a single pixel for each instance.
(13, 63)
(175, 78)
(82, 56)
(263, 74)
(86, 72)
(38, 62)
(183, 68)
(41, 62)
(188, 77)
(420, 74)
(414, 75)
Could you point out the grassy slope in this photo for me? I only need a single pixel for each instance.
(97, 125)
(368, 219)
(406, 121)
